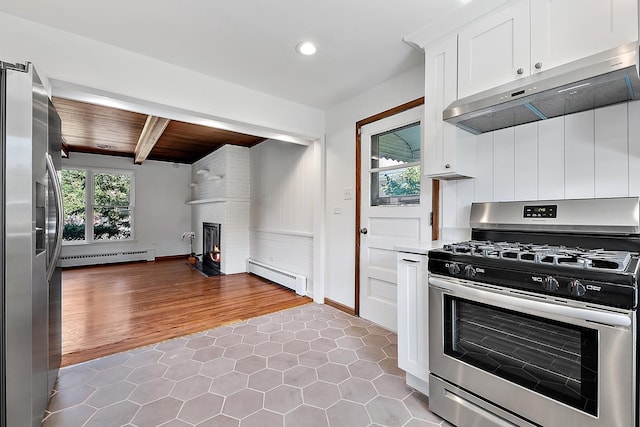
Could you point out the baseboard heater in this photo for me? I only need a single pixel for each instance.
(290, 280)
(107, 258)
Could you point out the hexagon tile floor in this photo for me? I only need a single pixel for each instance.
(303, 367)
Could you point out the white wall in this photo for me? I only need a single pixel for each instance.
(70, 58)
(340, 164)
(161, 215)
(592, 154)
(282, 191)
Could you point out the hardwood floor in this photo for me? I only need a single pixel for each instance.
(109, 309)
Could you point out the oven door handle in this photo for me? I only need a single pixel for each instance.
(507, 301)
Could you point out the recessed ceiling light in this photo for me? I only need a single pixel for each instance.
(104, 146)
(306, 48)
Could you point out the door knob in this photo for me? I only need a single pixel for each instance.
(363, 230)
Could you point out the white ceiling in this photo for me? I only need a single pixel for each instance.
(251, 42)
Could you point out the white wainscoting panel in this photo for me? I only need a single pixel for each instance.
(611, 151)
(634, 148)
(282, 186)
(484, 168)
(287, 250)
(589, 154)
(503, 164)
(551, 154)
(526, 162)
(448, 189)
(282, 177)
(579, 172)
(464, 197)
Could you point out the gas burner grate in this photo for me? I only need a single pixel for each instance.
(544, 254)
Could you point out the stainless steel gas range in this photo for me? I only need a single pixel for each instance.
(534, 321)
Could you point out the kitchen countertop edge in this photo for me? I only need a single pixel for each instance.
(421, 248)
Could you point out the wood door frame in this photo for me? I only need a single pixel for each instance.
(435, 188)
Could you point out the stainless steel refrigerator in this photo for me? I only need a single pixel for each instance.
(31, 222)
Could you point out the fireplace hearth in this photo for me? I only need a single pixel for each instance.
(211, 248)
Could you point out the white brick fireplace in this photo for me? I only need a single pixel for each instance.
(220, 193)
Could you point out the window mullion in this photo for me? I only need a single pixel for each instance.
(394, 167)
(90, 205)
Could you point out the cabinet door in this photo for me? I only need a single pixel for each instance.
(494, 49)
(440, 91)
(566, 30)
(413, 351)
(448, 151)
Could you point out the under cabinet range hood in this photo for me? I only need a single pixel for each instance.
(603, 79)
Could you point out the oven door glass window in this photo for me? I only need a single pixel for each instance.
(554, 359)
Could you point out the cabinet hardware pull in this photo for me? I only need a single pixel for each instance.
(521, 70)
(447, 166)
(538, 65)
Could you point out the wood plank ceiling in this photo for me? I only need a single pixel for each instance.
(95, 129)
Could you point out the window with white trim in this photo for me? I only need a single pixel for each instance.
(98, 205)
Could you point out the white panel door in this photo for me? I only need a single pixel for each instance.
(383, 225)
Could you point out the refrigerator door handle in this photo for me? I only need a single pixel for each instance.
(57, 192)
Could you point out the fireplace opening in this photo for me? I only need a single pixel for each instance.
(211, 248)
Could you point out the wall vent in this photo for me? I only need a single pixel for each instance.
(290, 280)
(107, 258)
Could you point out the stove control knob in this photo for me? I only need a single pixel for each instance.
(576, 288)
(550, 284)
(469, 271)
(453, 268)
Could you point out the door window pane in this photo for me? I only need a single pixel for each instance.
(395, 166)
(396, 186)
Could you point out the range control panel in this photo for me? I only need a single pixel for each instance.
(546, 211)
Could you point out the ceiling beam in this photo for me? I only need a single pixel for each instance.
(151, 133)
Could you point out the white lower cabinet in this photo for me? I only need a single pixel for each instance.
(413, 340)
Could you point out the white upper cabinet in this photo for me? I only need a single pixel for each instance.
(566, 30)
(531, 36)
(494, 50)
(447, 151)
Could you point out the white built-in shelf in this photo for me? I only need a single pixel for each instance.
(217, 200)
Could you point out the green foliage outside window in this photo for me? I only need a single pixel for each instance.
(405, 183)
(112, 216)
(110, 210)
(73, 182)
